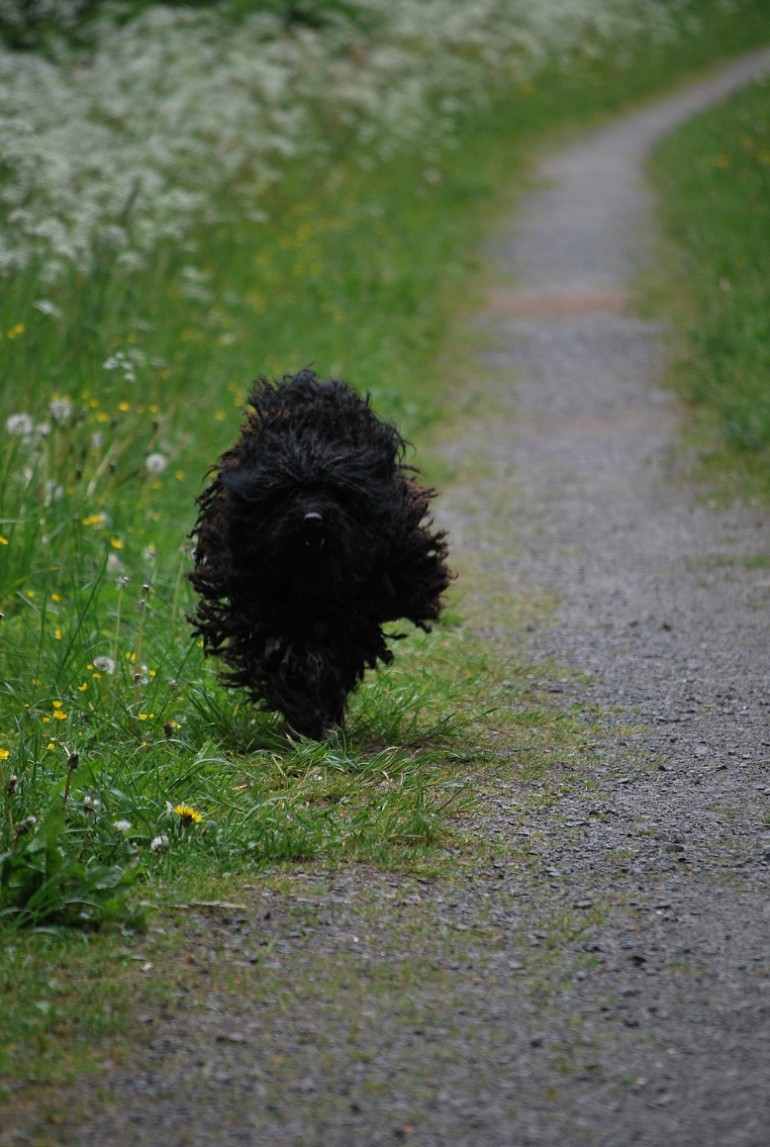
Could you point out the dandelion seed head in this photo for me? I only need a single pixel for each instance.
(104, 665)
(155, 463)
(159, 843)
(121, 826)
(60, 410)
(20, 425)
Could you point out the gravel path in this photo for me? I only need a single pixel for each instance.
(606, 980)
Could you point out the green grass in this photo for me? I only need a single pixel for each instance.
(713, 177)
(366, 273)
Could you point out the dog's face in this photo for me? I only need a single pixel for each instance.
(316, 530)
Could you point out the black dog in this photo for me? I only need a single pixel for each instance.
(310, 536)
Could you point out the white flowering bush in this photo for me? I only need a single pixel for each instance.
(107, 151)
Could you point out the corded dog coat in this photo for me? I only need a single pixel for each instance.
(310, 536)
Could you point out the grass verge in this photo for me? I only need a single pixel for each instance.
(713, 179)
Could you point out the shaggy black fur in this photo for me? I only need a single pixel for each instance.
(311, 535)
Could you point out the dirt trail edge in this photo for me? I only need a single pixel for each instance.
(607, 980)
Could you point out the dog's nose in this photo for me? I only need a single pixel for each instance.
(313, 523)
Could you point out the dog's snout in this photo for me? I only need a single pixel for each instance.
(312, 519)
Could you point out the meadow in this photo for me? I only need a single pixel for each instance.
(190, 198)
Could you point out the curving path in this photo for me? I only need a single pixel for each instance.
(663, 616)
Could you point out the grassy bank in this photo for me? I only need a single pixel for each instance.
(125, 378)
(713, 177)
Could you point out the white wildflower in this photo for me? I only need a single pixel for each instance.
(122, 826)
(20, 425)
(155, 463)
(123, 362)
(131, 261)
(60, 410)
(46, 307)
(52, 492)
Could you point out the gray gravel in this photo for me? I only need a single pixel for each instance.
(606, 981)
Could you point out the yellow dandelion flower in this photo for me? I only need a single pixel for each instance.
(55, 597)
(4, 754)
(59, 715)
(57, 704)
(57, 634)
(4, 541)
(116, 543)
(83, 687)
(124, 407)
(188, 815)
